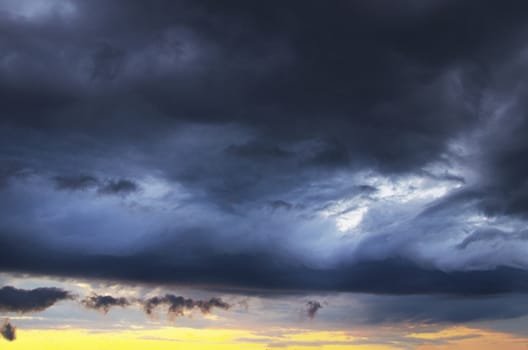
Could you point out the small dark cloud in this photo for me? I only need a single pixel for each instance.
(177, 305)
(7, 330)
(331, 153)
(121, 186)
(33, 300)
(89, 182)
(312, 307)
(206, 306)
(104, 302)
(107, 62)
(280, 204)
(10, 170)
(75, 182)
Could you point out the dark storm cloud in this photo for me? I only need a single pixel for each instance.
(312, 307)
(373, 83)
(7, 330)
(501, 189)
(177, 305)
(237, 105)
(104, 302)
(32, 300)
(262, 273)
(383, 87)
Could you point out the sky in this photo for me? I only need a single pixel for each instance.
(281, 174)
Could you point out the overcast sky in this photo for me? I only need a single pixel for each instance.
(335, 165)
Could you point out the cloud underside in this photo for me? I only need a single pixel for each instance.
(260, 273)
(267, 147)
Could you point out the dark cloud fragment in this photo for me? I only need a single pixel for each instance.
(177, 305)
(206, 306)
(32, 300)
(121, 186)
(312, 307)
(10, 169)
(75, 182)
(330, 154)
(280, 204)
(107, 61)
(104, 302)
(7, 330)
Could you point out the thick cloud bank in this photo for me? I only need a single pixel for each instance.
(265, 146)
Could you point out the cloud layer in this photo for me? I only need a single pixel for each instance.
(265, 147)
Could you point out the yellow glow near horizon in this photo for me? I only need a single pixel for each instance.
(458, 338)
(445, 333)
(174, 338)
(178, 338)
